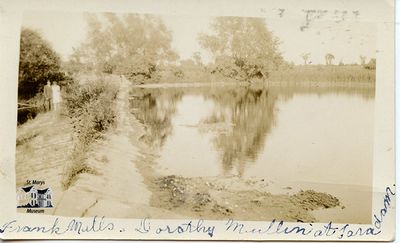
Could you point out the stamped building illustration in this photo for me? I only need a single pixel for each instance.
(30, 197)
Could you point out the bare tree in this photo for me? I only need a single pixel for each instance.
(306, 56)
(363, 59)
(328, 58)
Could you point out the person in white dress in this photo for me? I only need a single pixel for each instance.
(56, 91)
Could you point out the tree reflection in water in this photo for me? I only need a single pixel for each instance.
(252, 115)
(154, 109)
(240, 120)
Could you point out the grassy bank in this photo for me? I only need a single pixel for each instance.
(91, 109)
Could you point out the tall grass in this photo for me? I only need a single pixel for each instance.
(322, 73)
(92, 110)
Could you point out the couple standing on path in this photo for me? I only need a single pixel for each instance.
(52, 96)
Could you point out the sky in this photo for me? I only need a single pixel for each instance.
(347, 40)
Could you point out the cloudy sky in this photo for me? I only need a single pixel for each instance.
(347, 40)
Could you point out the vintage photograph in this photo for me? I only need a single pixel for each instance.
(132, 115)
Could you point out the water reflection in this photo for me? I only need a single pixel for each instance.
(154, 109)
(251, 113)
(225, 130)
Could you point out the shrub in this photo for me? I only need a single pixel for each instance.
(91, 108)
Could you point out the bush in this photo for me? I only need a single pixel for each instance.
(91, 108)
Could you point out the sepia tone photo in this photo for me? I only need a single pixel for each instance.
(132, 115)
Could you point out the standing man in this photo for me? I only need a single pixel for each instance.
(47, 93)
(56, 95)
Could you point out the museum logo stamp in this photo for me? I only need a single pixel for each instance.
(34, 196)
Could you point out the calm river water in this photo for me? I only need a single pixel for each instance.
(318, 137)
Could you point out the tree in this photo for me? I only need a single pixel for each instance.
(243, 46)
(38, 63)
(132, 44)
(328, 58)
(306, 56)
